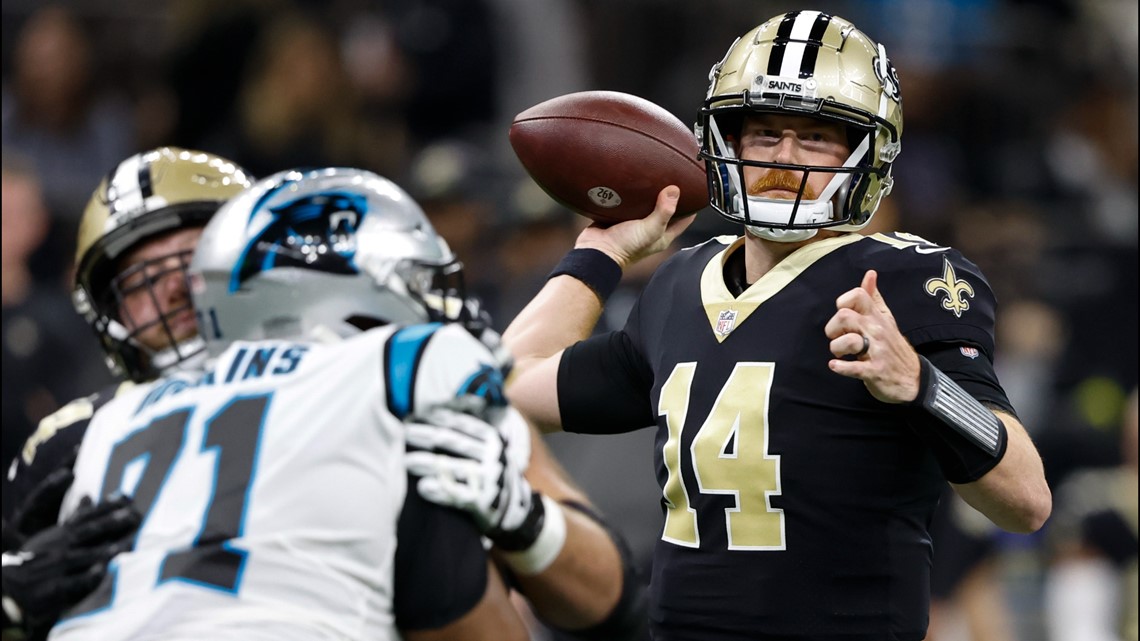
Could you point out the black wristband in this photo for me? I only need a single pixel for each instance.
(593, 267)
(526, 534)
(967, 438)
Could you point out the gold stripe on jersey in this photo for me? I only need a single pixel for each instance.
(81, 409)
(726, 312)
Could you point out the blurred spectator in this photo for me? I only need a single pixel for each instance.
(49, 356)
(1031, 335)
(461, 190)
(297, 107)
(1091, 588)
(56, 116)
(210, 46)
(450, 46)
(532, 239)
(967, 599)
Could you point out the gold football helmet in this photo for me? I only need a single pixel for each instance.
(149, 194)
(803, 63)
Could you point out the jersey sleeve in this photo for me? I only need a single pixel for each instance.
(605, 366)
(440, 566)
(935, 293)
(433, 364)
(51, 447)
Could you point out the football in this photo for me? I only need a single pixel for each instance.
(606, 154)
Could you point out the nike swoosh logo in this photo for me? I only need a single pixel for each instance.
(930, 250)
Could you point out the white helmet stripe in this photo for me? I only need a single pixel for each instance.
(794, 52)
(124, 193)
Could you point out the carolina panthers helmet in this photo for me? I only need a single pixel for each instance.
(814, 64)
(148, 194)
(332, 249)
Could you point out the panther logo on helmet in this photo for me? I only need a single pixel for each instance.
(317, 231)
(312, 251)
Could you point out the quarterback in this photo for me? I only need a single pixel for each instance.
(812, 388)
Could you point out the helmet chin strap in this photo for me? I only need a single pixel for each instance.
(781, 235)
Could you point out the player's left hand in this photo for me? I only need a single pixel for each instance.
(890, 367)
(39, 509)
(62, 564)
(475, 466)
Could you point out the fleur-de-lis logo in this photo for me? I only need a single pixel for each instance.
(956, 290)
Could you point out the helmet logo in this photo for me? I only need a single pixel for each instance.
(804, 87)
(317, 231)
(887, 75)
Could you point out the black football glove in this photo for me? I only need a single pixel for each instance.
(39, 508)
(56, 568)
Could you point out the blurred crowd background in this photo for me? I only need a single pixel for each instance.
(1020, 149)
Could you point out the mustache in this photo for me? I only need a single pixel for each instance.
(780, 179)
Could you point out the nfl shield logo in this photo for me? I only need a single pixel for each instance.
(969, 352)
(725, 322)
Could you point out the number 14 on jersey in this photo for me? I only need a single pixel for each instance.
(729, 455)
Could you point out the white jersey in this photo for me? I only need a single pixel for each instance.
(270, 487)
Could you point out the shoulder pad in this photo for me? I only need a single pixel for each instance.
(72, 417)
(434, 364)
(934, 293)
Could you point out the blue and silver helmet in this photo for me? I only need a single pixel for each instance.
(339, 249)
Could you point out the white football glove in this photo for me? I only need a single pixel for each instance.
(474, 466)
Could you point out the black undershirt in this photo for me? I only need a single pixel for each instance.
(735, 273)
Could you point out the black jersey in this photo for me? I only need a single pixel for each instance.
(796, 504)
(52, 446)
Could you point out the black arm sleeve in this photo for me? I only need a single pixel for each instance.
(440, 567)
(603, 386)
(960, 459)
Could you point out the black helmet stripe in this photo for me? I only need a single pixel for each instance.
(797, 42)
(815, 40)
(783, 32)
(146, 188)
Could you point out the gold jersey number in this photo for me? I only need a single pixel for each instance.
(730, 456)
